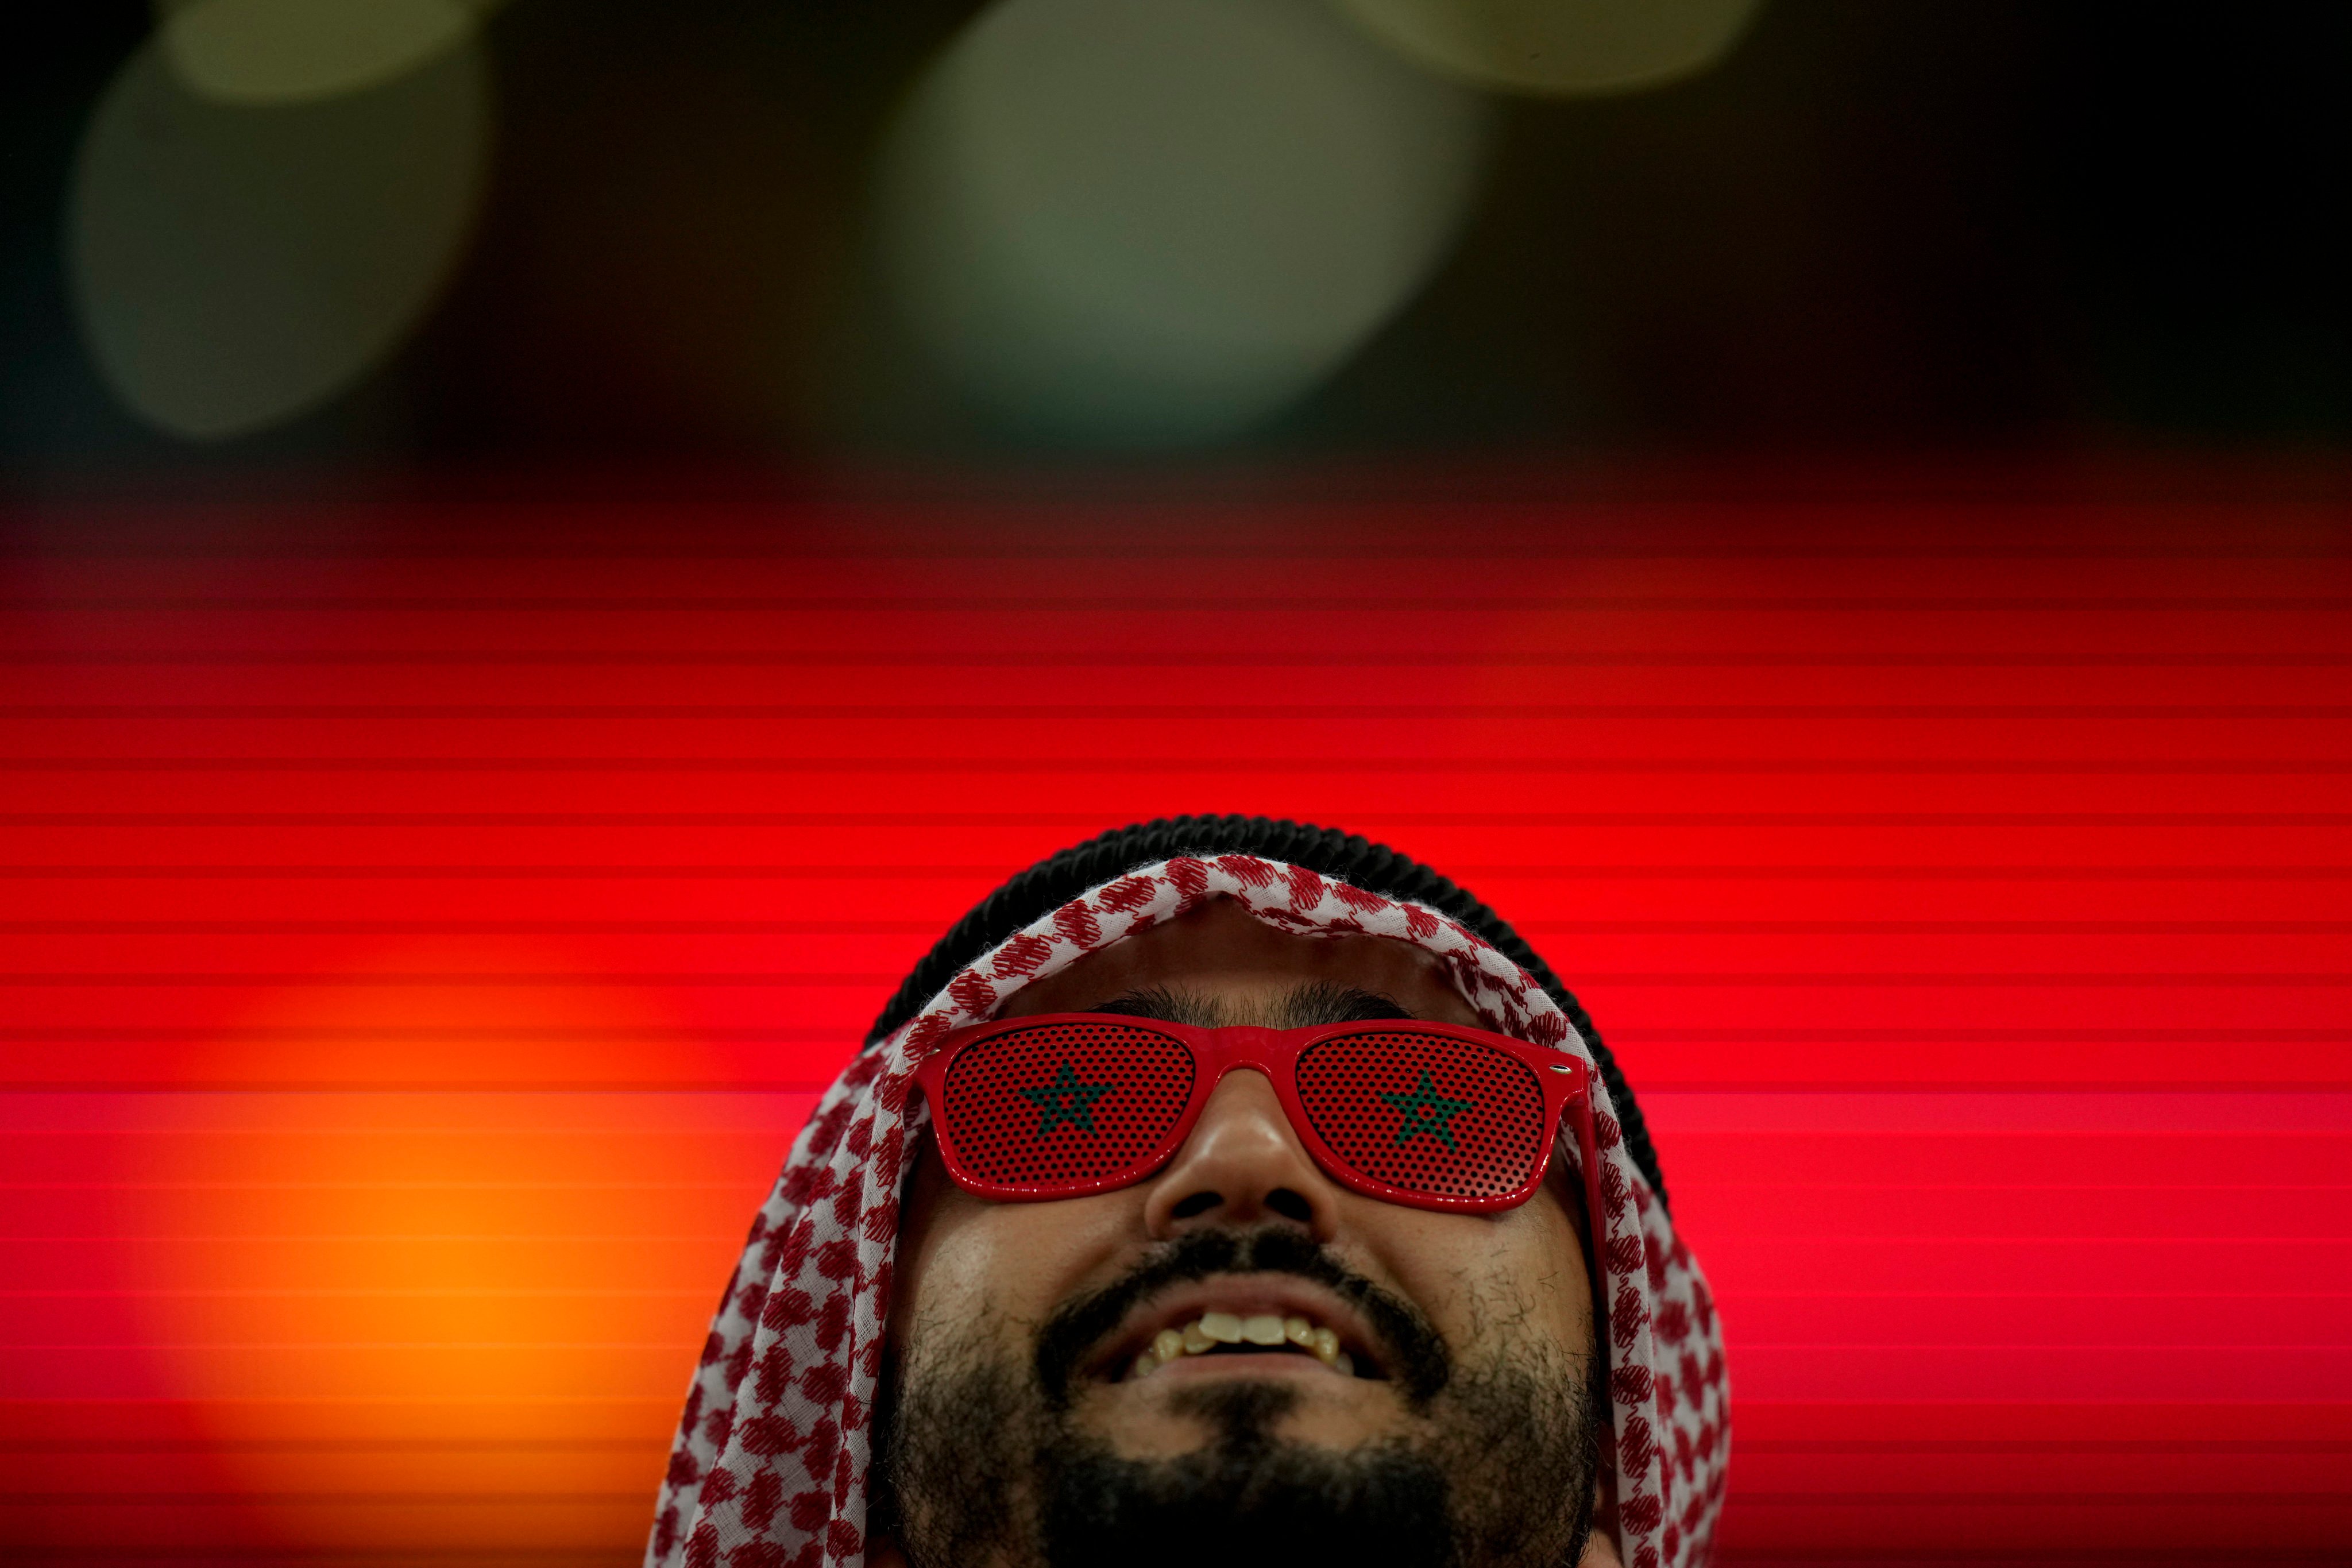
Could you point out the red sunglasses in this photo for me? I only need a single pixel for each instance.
(1430, 1115)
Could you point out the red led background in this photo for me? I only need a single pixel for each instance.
(416, 967)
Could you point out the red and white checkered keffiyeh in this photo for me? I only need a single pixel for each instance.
(768, 1469)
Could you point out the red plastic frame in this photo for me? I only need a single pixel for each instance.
(1275, 1053)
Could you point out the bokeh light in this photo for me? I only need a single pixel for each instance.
(1563, 47)
(451, 1205)
(1135, 224)
(287, 51)
(235, 265)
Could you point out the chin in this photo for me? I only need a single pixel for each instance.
(1175, 1415)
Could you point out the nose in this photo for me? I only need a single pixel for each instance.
(1241, 1165)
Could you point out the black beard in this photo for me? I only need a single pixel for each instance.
(980, 1460)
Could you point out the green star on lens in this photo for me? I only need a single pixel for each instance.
(1064, 1098)
(1425, 1110)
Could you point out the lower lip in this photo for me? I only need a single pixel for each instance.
(1244, 1363)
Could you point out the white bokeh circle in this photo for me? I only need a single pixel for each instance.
(233, 265)
(1563, 48)
(1150, 222)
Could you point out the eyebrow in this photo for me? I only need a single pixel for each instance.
(1305, 1005)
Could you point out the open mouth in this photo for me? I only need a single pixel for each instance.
(1198, 1332)
(1223, 1333)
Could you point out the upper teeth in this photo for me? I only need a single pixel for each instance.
(1210, 1329)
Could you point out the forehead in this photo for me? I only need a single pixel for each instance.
(1221, 950)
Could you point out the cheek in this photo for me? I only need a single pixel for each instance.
(1549, 1259)
(1009, 1264)
(1515, 1275)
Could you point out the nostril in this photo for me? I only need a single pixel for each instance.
(1198, 1203)
(1291, 1205)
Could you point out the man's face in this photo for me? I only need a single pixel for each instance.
(1034, 1423)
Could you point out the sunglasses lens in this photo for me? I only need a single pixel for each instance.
(1424, 1112)
(1061, 1105)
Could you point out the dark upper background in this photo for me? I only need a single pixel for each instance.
(1945, 226)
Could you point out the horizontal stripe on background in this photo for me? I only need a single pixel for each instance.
(1245, 683)
(1402, 801)
(413, 972)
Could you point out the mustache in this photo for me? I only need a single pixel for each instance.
(1414, 1354)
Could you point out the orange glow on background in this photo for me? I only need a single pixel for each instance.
(380, 1233)
(418, 967)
